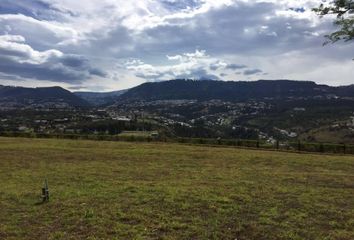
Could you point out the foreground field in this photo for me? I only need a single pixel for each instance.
(110, 190)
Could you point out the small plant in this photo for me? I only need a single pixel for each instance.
(89, 213)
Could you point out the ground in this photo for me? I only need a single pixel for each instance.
(119, 190)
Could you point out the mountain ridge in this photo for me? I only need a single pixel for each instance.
(23, 96)
(232, 90)
(175, 89)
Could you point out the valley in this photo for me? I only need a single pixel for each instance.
(265, 110)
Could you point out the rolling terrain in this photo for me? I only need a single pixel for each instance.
(267, 110)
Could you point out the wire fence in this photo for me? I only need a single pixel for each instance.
(298, 146)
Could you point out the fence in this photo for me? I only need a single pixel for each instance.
(278, 145)
(281, 146)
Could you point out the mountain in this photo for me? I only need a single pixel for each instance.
(100, 98)
(345, 90)
(172, 90)
(265, 109)
(230, 91)
(46, 97)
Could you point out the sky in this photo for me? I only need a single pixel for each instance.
(106, 45)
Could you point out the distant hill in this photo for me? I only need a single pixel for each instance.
(100, 98)
(46, 96)
(172, 90)
(345, 90)
(232, 91)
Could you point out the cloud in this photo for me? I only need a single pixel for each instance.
(19, 59)
(199, 74)
(78, 42)
(34, 29)
(197, 65)
(217, 65)
(34, 8)
(234, 66)
(222, 65)
(252, 71)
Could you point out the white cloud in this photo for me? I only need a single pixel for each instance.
(53, 32)
(19, 59)
(193, 65)
(14, 47)
(156, 39)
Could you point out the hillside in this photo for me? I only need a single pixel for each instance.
(100, 98)
(117, 190)
(267, 110)
(52, 96)
(173, 90)
(232, 91)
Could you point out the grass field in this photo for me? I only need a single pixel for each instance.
(118, 190)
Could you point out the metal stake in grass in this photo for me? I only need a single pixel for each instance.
(45, 192)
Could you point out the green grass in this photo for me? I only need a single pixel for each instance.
(118, 190)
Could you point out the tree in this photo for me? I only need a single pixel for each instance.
(344, 10)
